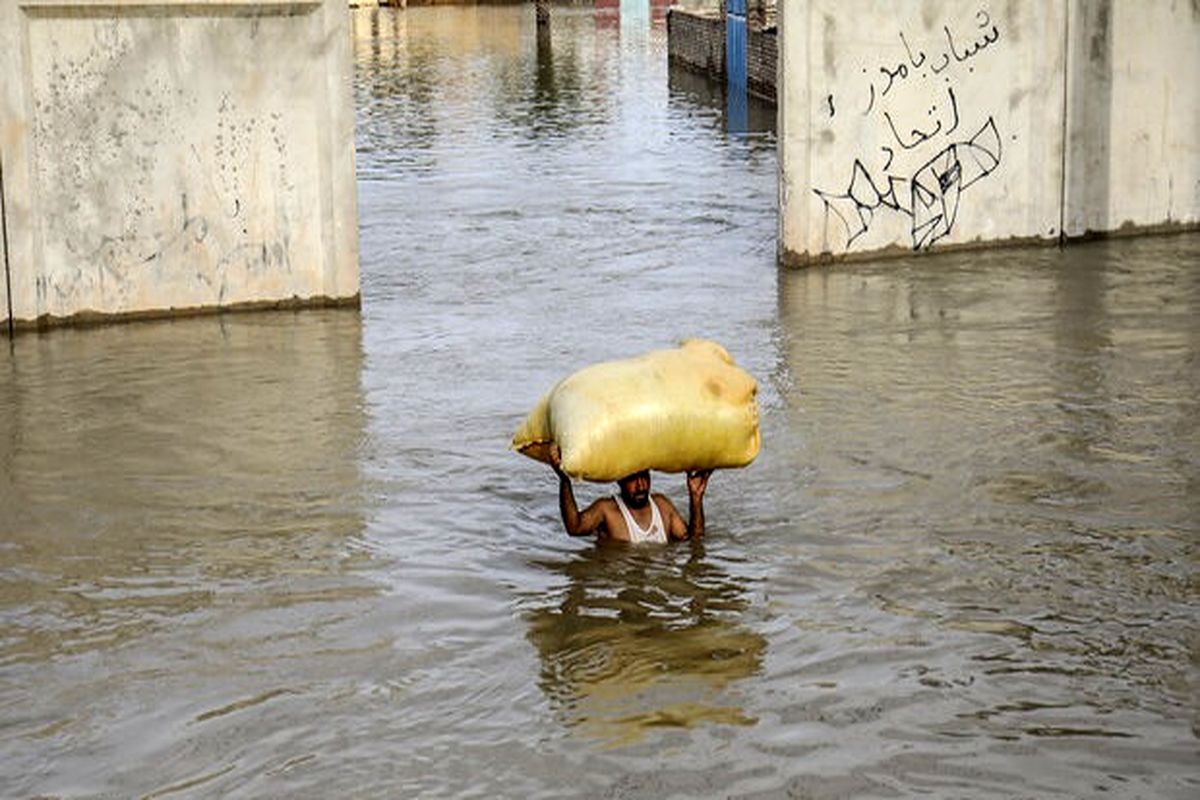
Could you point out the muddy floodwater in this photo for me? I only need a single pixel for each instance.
(290, 555)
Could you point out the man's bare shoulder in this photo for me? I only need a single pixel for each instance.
(664, 502)
(606, 507)
(605, 504)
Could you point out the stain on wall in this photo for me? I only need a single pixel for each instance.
(179, 156)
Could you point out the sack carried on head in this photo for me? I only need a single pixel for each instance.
(674, 410)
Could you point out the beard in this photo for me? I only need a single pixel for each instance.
(637, 499)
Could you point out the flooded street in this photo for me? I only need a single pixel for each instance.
(290, 554)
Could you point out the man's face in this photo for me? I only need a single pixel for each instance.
(635, 489)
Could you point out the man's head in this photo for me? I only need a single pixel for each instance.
(635, 489)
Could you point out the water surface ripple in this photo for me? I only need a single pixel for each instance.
(289, 555)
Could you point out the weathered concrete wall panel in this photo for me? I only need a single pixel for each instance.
(1133, 115)
(914, 124)
(176, 155)
(943, 123)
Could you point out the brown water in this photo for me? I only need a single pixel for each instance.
(289, 555)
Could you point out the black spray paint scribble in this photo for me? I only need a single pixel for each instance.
(901, 70)
(919, 136)
(933, 190)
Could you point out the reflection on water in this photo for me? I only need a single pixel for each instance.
(743, 115)
(642, 638)
(232, 480)
(169, 508)
(1000, 453)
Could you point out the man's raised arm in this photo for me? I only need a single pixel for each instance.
(576, 523)
(697, 483)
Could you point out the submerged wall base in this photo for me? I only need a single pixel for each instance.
(793, 259)
(91, 319)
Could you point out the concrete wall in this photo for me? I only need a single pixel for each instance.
(926, 125)
(761, 63)
(696, 40)
(1133, 115)
(175, 155)
(760, 14)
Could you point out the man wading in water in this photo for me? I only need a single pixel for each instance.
(634, 515)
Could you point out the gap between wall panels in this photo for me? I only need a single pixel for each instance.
(4, 253)
(1065, 146)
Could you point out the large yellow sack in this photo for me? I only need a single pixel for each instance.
(687, 408)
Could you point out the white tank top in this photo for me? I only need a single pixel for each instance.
(657, 532)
